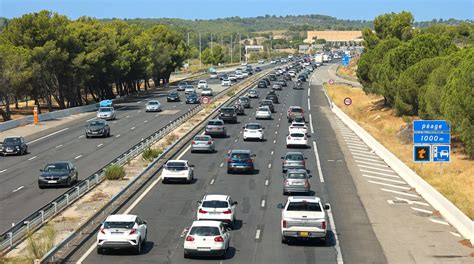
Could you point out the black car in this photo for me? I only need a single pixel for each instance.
(272, 97)
(62, 173)
(272, 77)
(182, 85)
(287, 77)
(262, 84)
(13, 146)
(245, 101)
(173, 96)
(97, 128)
(228, 114)
(192, 98)
(283, 83)
(258, 69)
(268, 103)
(267, 80)
(302, 78)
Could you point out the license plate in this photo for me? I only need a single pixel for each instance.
(299, 183)
(52, 181)
(94, 132)
(203, 248)
(214, 213)
(304, 234)
(9, 150)
(116, 233)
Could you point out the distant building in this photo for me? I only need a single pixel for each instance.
(341, 38)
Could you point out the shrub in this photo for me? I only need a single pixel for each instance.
(41, 242)
(151, 153)
(114, 172)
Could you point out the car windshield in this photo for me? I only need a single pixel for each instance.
(297, 125)
(294, 157)
(105, 109)
(252, 91)
(204, 231)
(297, 135)
(296, 110)
(201, 138)
(296, 175)
(56, 167)
(241, 156)
(253, 126)
(202, 82)
(215, 204)
(11, 141)
(227, 110)
(114, 224)
(173, 94)
(153, 103)
(176, 165)
(266, 102)
(96, 123)
(189, 87)
(263, 109)
(182, 83)
(304, 206)
(244, 99)
(215, 123)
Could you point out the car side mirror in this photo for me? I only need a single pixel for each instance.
(253, 155)
(235, 203)
(326, 207)
(41, 170)
(305, 158)
(145, 223)
(280, 206)
(311, 176)
(191, 165)
(199, 202)
(282, 157)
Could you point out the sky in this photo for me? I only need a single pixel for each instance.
(423, 10)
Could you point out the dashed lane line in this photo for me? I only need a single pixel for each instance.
(262, 204)
(32, 158)
(4, 170)
(257, 234)
(60, 145)
(78, 157)
(212, 182)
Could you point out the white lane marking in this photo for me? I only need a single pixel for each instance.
(81, 136)
(146, 121)
(236, 140)
(390, 201)
(2, 171)
(100, 145)
(379, 173)
(139, 111)
(222, 164)
(271, 153)
(454, 234)
(374, 168)
(422, 210)
(278, 125)
(354, 142)
(276, 132)
(363, 158)
(439, 222)
(114, 122)
(184, 152)
(60, 145)
(334, 231)
(390, 185)
(32, 158)
(381, 178)
(309, 105)
(269, 165)
(212, 182)
(266, 182)
(364, 152)
(308, 92)
(401, 193)
(352, 147)
(274, 141)
(318, 162)
(410, 202)
(257, 234)
(19, 188)
(262, 204)
(117, 136)
(132, 128)
(90, 119)
(78, 157)
(370, 163)
(128, 116)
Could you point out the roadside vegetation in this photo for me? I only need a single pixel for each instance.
(150, 154)
(425, 72)
(114, 172)
(349, 71)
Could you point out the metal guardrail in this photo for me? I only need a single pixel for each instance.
(49, 257)
(32, 222)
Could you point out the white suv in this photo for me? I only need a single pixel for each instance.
(202, 84)
(207, 238)
(177, 170)
(253, 131)
(303, 217)
(217, 207)
(122, 231)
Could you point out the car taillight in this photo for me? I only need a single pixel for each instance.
(202, 211)
(289, 137)
(194, 142)
(286, 183)
(102, 230)
(306, 183)
(133, 231)
(209, 142)
(228, 211)
(219, 239)
(246, 130)
(323, 225)
(305, 138)
(189, 238)
(285, 224)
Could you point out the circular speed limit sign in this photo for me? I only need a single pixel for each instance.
(205, 100)
(331, 81)
(347, 101)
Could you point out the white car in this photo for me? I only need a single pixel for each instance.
(263, 112)
(296, 127)
(261, 61)
(253, 94)
(202, 84)
(232, 77)
(303, 217)
(226, 82)
(213, 75)
(217, 207)
(239, 75)
(253, 131)
(273, 62)
(189, 89)
(206, 92)
(243, 63)
(177, 170)
(122, 231)
(106, 113)
(245, 74)
(297, 139)
(292, 73)
(207, 238)
(153, 106)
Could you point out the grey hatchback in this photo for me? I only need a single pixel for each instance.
(296, 181)
(293, 160)
(203, 143)
(215, 127)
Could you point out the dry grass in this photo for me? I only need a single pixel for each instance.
(349, 71)
(454, 179)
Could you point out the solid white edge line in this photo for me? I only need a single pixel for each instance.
(318, 162)
(334, 231)
(184, 152)
(54, 133)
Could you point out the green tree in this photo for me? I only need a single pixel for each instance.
(394, 25)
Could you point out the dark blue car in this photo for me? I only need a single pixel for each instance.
(192, 98)
(240, 161)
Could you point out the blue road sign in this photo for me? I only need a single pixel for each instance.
(432, 138)
(421, 153)
(345, 60)
(441, 153)
(431, 126)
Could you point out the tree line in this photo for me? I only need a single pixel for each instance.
(46, 56)
(427, 72)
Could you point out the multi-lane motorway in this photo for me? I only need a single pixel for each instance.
(19, 192)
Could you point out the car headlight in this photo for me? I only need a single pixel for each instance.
(88, 131)
(17, 147)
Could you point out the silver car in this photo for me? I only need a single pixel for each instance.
(106, 113)
(293, 160)
(296, 181)
(153, 106)
(253, 93)
(203, 143)
(216, 127)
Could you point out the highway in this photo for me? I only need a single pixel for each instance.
(170, 208)
(19, 192)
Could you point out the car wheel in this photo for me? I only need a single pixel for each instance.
(229, 171)
(138, 248)
(100, 251)
(87, 136)
(186, 255)
(284, 240)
